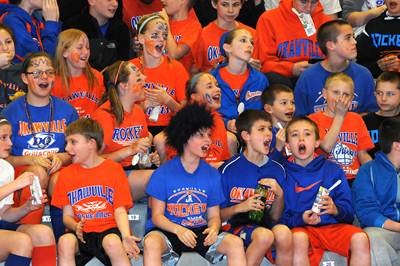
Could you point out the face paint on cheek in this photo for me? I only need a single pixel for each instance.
(31, 83)
(208, 98)
(150, 46)
(75, 57)
(161, 26)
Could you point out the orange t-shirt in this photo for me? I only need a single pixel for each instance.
(116, 137)
(234, 81)
(172, 76)
(84, 101)
(132, 11)
(206, 53)
(93, 193)
(186, 32)
(219, 150)
(353, 137)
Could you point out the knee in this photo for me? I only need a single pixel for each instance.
(232, 242)
(262, 237)
(153, 242)
(24, 245)
(359, 241)
(283, 235)
(300, 240)
(42, 235)
(67, 244)
(111, 242)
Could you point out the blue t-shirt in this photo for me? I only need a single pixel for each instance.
(308, 92)
(48, 140)
(240, 178)
(187, 196)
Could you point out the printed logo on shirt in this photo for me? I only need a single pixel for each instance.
(299, 189)
(239, 194)
(189, 203)
(374, 134)
(81, 95)
(374, 3)
(57, 126)
(135, 21)
(100, 191)
(125, 135)
(212, 53)
(299, 48)
(385, 40)
(252, 94)
(320, 103)
(178, 37)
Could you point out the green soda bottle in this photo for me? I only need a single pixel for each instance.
(256, 216)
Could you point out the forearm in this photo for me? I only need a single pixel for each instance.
(214, 223)
(229, 212)
(175, 50)
(119, 155)
(121, 218)
(19, 160)
(173, 105)
(65, 158)
(164, 223)
(15, 214)
(364, 157)
(70, 222)
(329, 140)
(277, 208)
(8, 189)
(357, 19)
(391, 225)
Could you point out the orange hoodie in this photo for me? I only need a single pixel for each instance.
(282, 41)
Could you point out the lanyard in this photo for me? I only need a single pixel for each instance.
(47, 140)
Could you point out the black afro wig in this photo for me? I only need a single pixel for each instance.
(185, 123)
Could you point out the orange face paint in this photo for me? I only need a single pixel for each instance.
(75, 57)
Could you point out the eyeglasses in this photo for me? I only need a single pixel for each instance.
(38, 73)
(312, 2)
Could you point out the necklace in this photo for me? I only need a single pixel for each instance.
(41, 144)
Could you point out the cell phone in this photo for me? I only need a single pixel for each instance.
(314, 60)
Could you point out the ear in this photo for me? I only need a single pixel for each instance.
(330, 45)
(66, 53)
(91, 2)
(268, 108)
(141, 38)
(122, 87)
(227, 47)
(24, 78)
(245, 135)
(214, 3)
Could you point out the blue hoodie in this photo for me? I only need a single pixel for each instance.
(302, 185)
(32, 34)
(375, 192)
(250, 95)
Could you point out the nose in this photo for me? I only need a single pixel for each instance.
(230, 8)
(115, 3)
(9, 142)
(3, 47)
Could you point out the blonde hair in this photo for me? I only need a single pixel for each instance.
(65, 40)
(339, 77)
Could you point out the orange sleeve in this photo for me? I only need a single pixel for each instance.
(103, 118)
(57, 88)
(122, 189)
(266, 49)
(198, 52)
(59, 197)
(190, 34)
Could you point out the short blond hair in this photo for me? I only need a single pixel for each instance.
(339, 77)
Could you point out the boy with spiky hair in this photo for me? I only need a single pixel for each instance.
(185, 194)
(240, 177)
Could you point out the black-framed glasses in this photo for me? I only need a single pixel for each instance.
(39, 73)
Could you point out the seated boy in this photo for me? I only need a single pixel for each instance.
(278, 101)
(376, 194)
(387, 94)
(326, 226)
(336, 41)
(240, 177)
(185, 194)
(344, 136)
(379, 46)
(34, 31)
(94, 195)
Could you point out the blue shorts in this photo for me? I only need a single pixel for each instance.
(244, 232)
(4, 225)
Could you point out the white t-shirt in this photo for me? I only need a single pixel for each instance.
(330, 6)
(6, 177)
